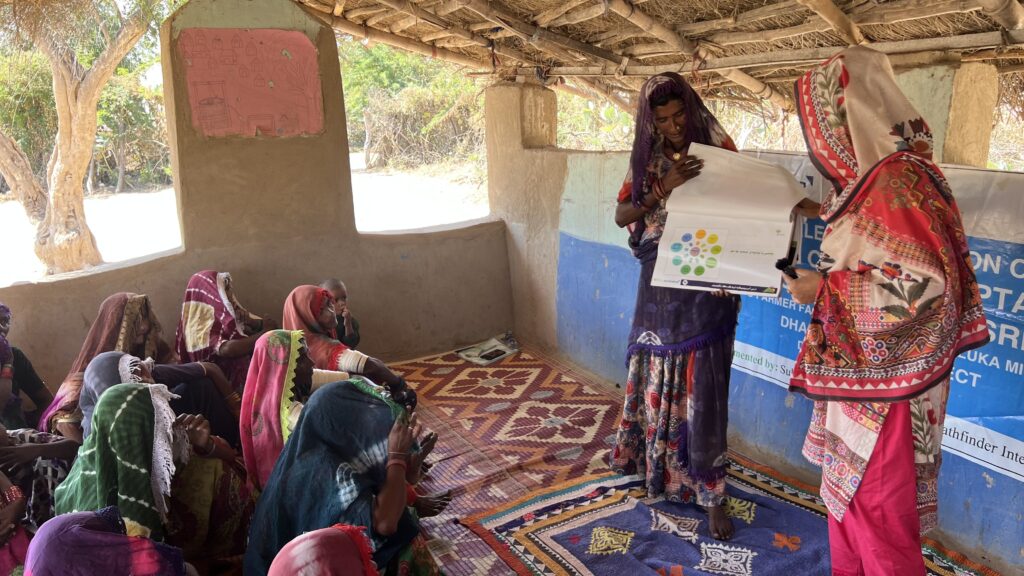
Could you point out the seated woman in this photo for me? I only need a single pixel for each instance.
(125, 323)
(137, 456)
(311, 309)
(340, 549)
(13, 535)
(17, 376)
(36, 462)
(89, 543)
(281, 376)
(193, 392)
(346, 462)
(214, 327)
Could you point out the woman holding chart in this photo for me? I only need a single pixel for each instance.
(895, 301)
(673, 428)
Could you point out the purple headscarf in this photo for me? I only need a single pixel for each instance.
(701, 125)
(85, 543)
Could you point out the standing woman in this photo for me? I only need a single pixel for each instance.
(895, 302)
(680, 348)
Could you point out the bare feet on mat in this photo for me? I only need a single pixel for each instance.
(417, 460)
(427, 506)
(720, 525)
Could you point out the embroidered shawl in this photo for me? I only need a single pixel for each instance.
(86, 543)
(330, 472)
(128, 459)
(211, 316)
(301, 310)
(114, 329)
(899, 300)
(270, 391)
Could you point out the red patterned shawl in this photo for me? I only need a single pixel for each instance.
(899, 300)
(211, 316)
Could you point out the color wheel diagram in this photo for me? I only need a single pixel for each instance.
(699, 253)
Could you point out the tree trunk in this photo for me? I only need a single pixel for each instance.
(63, 239)
(121, 157)
(90, 175)
(17, 171)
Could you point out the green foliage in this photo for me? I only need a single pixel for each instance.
(27, 112)
(588, 125)
(378, 72)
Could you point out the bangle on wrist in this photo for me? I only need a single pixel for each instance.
(400, 463)
(12, 494)
(208, 451)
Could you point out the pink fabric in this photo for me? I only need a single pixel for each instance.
(14, 552)
(299, 314)
(881, 530)
(340, 549)
(260, 423)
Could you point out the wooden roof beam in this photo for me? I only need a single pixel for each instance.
(1007, 13)
(837, 19)
(365, 11)
(889, 13)
(581, 15)
(743, 18)
(545, 17)
(374, 35)
(690, 48)
(533, 34)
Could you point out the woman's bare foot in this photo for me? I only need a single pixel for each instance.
(427, 506)
(416, 461)
(720, 525)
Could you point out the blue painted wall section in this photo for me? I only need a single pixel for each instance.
(979, 508)
(596, 296)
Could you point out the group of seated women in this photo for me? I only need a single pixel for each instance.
(283, 450)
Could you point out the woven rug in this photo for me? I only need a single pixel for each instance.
(605, 525)
(506, 430)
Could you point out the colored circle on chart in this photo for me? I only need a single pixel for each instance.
(711, 262)
(699, 271)
(712, 239)
(677, 247)
(685, 269)
(677, 261)
(716, 249)
(695, 251)
(687, 237)
(700, 234)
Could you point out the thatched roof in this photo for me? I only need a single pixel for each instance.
(737, 49)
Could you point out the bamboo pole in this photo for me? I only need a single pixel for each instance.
(669, 36)
(367, 11)
(581, 15)
(495, 12)
(375, 35)
(899, 51)
(545, 17)
(837, 19)
(881, 15)
(741, 19)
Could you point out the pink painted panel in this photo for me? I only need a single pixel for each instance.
(257, 82)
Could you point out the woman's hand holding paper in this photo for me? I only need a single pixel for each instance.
(803, 288)
(683, 170)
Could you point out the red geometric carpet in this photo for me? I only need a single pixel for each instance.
(519, 425)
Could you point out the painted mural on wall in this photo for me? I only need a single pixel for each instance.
(985, 422)
(252, 82)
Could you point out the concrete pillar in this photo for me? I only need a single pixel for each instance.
(526, 177)
(958, 103)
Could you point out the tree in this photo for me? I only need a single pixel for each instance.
(83, 42)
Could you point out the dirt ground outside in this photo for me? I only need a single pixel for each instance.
(135, 224)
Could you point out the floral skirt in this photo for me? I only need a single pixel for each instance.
(674, 421)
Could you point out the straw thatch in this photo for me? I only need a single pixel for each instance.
(741, 50)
